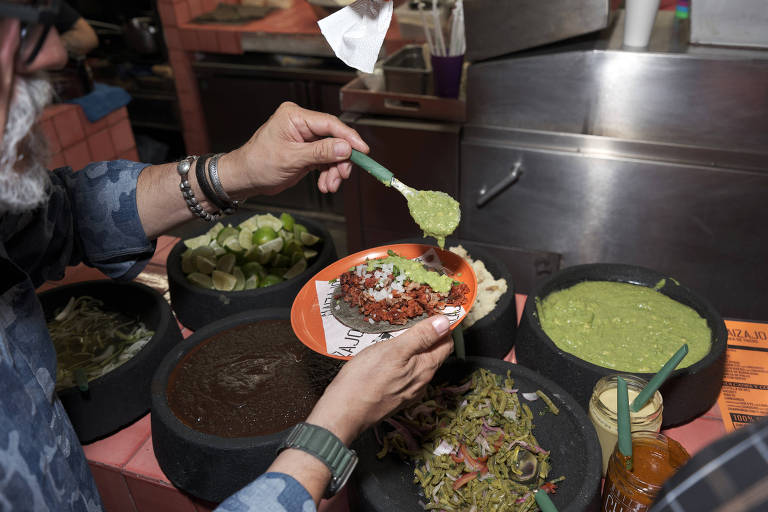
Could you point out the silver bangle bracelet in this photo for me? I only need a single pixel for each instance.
(221, 195)
(186, 190)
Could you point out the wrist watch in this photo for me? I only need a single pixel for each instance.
(328, 448)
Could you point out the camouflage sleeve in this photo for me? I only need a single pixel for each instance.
(271, 492)
(91, 217)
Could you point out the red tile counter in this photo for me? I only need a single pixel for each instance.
(76, 142)
(130, 479)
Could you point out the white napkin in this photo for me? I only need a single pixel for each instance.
(357, 32)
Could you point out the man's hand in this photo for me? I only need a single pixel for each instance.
(290, 144)
(381, 378)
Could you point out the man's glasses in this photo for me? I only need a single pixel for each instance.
(32, 36)
(36, 20)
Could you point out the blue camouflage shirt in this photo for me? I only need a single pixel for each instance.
(91, 217)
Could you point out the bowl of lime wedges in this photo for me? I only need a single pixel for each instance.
(246, 261)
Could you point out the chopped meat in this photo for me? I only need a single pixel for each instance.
(396, 306)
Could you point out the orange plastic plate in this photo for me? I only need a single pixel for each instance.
(306, 320)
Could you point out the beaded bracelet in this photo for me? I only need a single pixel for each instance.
(186, 191)
(213, 172)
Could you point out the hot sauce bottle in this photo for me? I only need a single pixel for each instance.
(632, 485)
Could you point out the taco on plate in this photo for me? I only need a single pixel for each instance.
(393, 293)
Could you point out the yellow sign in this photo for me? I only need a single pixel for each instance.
(744, 397)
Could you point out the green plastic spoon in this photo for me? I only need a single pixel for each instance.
(380, 172)
(658, 379)
(622, 411)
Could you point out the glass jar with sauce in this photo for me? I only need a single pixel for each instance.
(655, 458)
(602, 412)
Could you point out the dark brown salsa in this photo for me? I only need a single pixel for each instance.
(250, 380)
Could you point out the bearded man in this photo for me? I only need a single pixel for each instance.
(108, 215)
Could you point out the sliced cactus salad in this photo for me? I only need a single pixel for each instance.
(261, 251)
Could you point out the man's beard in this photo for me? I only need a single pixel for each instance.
(24, 180)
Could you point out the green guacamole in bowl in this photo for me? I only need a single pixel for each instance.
(622, 326)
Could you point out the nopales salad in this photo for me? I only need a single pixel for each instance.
(473, 446)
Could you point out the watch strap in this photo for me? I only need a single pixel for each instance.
(324, 445)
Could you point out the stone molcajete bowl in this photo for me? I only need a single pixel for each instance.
(121, 396)
(387, 484)
(196, 307)
(687, 393)
(212, 466)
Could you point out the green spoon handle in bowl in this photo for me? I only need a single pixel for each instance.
(376, 170)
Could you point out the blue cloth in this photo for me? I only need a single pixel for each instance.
(102, 101)
(91, 217)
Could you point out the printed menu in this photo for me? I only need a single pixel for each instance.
(744, 397)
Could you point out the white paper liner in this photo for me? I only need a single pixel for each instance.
(341, 340)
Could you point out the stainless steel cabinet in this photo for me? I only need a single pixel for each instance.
(702, 225)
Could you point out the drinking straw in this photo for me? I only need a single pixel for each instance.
(543, 501)
(658, 379)
(622, 410)
(427, 33)
(458, 342)
(439, 41)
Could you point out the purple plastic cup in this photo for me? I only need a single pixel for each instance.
(447, 75)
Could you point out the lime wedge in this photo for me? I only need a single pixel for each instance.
(264, 256)
(291, 247)
(281, 260)
(298, 267)
(251, 254)
(269, 280)
(308, 238)
(253, 268)
(288, 236)
(275, 245)
(217, 249)
(223, 281)
(287, 220)
(296, 256)
(263, 235)
(309, 254)
(225, 234)
(270, 221)
(233, 245)
(200, 280)
(188, 263)
(205, 265)
(198, 241)
(239, 279)
(251, 283)
(204, 250)
(215, 229)
(298, 229)
(226, 262)
(245, 238)
(250, 224)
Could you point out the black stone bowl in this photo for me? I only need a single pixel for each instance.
(121, 396)
(208, 466)
(196, 307)
(687, 393)
(387, 484)
(494, 334)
